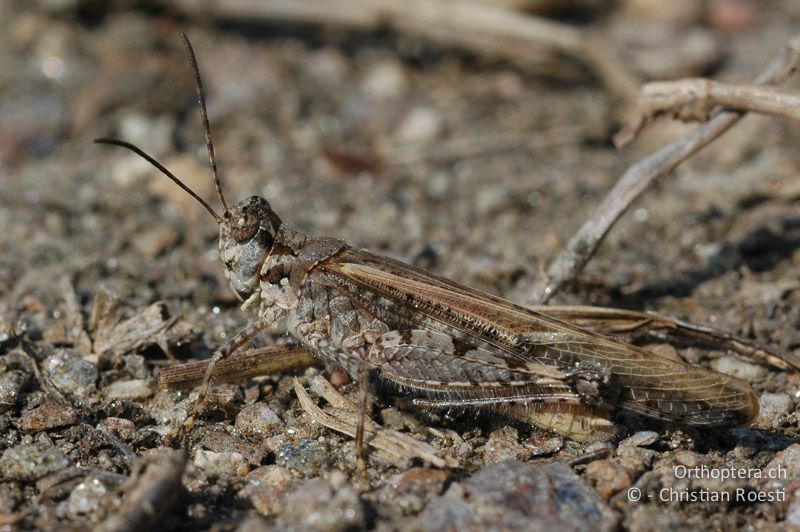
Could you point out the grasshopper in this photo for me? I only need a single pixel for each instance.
(443, 343)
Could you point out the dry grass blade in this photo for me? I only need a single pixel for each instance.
(240, 366)
(399, 448)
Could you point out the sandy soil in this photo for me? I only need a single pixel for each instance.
(471, 167)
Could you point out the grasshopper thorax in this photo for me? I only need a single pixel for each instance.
(246, 235)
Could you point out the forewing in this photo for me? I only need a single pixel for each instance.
(409, 298)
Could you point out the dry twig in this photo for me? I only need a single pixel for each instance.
(480, 27)
(642, 175)
(696, 99)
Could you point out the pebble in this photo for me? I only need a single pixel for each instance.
(544, 446)
(384, 81)
(257, 420)
(412, 489)
(420, 124)
(124, 429)
(253, 523)
(785, 467)
(153, 133)
(221, 441)
(70, 373)
(607, 477)
(643, 438)
(772, 406)
(221, 465)
(11, 384)
(793, 511)
(130, 390)
(30, 462)
(504, 444)
(328, 67)
(306, 458)
(48, 415)
(730, 365)
(324, 505)
(265, 487)
(788, 461)
(87, 497)
(732, 15)
(396, 419)
(515, 495)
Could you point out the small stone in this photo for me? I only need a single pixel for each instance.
(328, 67)
(130, 390)
(491, 199)
(86, 498)
(71, 373)
(786, 463)
(307, 458)
(772, 406)
(607, 477)
(504, 444)
(339, 378)
(515, 495)
(221, 465)
(420, 124)
(266, 486)
(257, 420)
(544, 446)
(274, 444)
(221, 441)
(124, 429)
(323, 505)
(384, 81)
(730, 365)
(48, 415)
(144, 130)
(732, 15)
(412, 489)
(11, 384)
(793, 511)
(253, 523)
(643, 438)
(27, 463)
(396, 419)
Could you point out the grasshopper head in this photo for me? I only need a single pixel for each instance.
(246, 234)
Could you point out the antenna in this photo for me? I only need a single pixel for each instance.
(138, 151)
(201, 99)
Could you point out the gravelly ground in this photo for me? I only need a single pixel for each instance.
(474, 169)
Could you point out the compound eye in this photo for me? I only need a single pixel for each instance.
(244, 229)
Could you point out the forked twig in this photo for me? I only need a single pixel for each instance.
(642, 175)
(696, 99)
